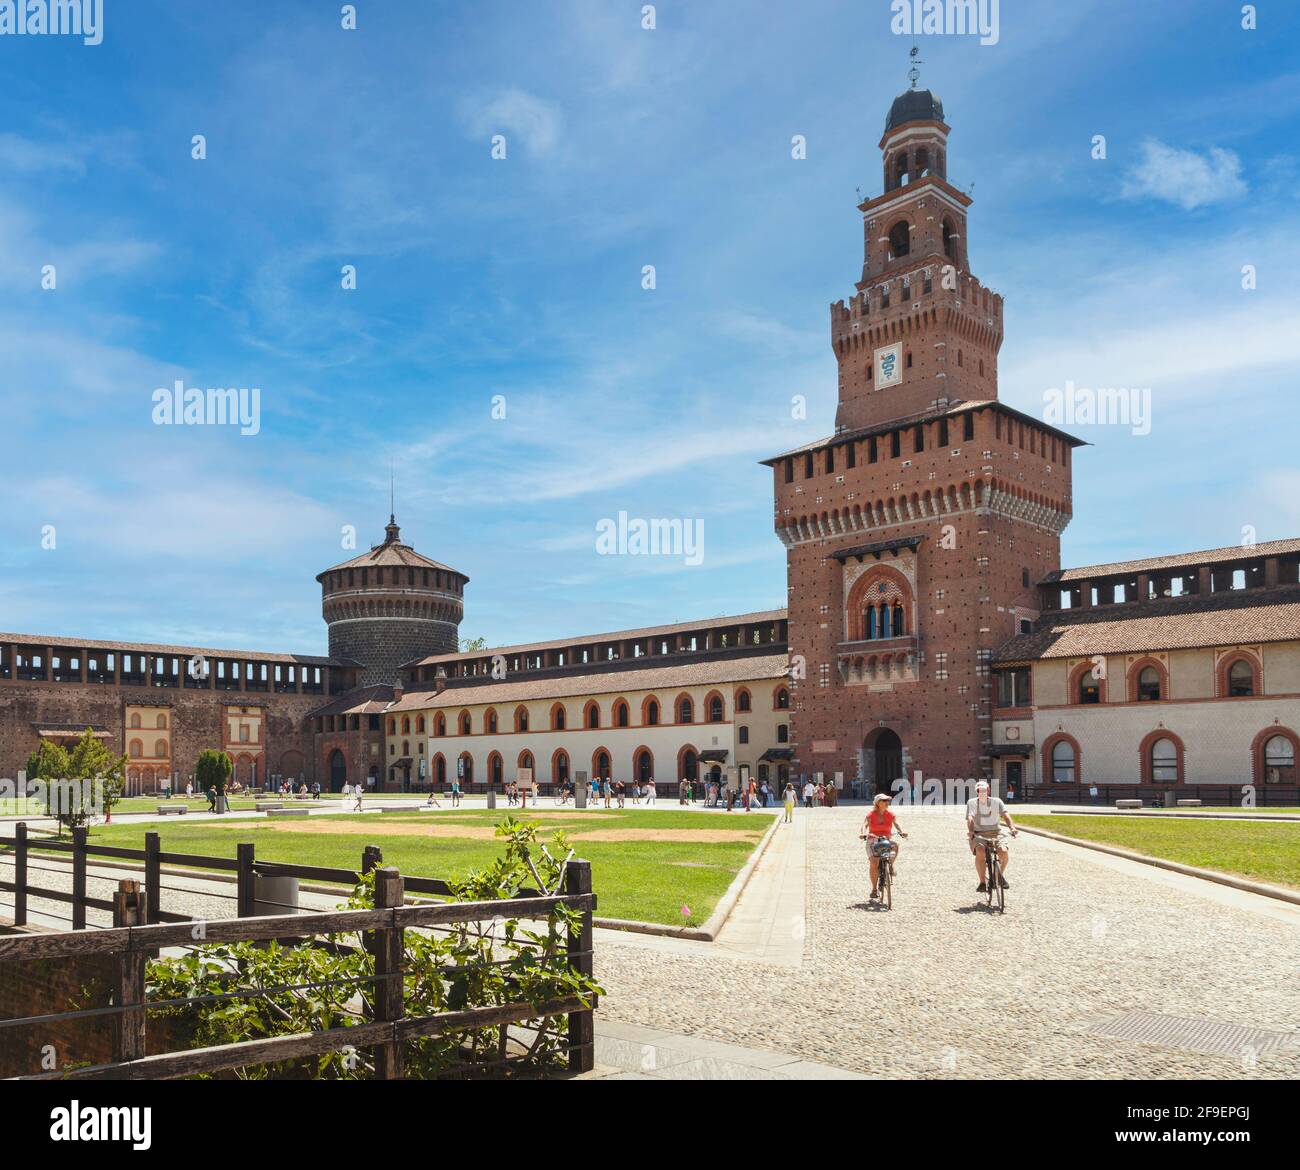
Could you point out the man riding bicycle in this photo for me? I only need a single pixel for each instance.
(879, 826)
(985, 816)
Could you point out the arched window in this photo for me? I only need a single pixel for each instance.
(406, 747)
(419, 725)
(652, 713)
(742, 700)
(685, 710)
(406, 725)
(782, 699)
(1164, 761)
(600, 764)
(557, 717)
(620, 713)
(1089, 687)
(440, 768)
(392, 727)
(949, 240)
(782, 733)
(521, 718)
(160, 749)
(466, 725)
(689, 764)
(900, 239)
(494, 767)
(440, 725)
(1148, 685)
(1241, 679)
(593, 714)
(1064, 762)
(135, 720)
(715, 709)
(136, 750)
(526, 761)
(1279, 760)
(898, 620)
(466, 769)
(560, 767)
(645, 765)
(742, 735)
(490, 721)
(162, 721)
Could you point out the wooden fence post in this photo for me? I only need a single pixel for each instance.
(245, 882)
(388, 949)
(20, 874)
(129, 909)
(372, 857)
(582, 1025)
(79, 878)
(152, 876)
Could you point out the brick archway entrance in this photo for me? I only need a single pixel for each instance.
(882, 760)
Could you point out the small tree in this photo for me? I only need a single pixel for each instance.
(48, 764)
(212, 772)
(91, 760)
(78, 784)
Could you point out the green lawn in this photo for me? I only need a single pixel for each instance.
(1259, 850)
(636, 878)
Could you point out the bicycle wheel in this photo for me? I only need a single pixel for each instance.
(886, 886)
(990, 873)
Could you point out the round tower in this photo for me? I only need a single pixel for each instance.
(389, 606)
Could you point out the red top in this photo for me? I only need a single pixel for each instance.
(880, 824)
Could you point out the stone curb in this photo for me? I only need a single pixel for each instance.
(721, 912)
(1208, 875)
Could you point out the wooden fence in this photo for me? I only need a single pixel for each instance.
(141, 929)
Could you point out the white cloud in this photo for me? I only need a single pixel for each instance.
(519, 116)
(1183, 177)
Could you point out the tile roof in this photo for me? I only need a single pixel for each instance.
(1217, 556)
(159, 648)
(606, 682)
(1170, 623)
(908, 420)
(362, 701)
(765, 615)
(391, 552)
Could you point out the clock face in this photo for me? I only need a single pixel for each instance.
(889, 365)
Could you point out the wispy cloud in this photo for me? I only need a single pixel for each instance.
(520, 116)
(1183, 177)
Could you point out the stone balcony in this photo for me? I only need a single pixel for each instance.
(878, 661)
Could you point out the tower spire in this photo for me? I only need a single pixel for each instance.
(391, 531)
(914, 74)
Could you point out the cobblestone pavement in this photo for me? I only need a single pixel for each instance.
(941, 987)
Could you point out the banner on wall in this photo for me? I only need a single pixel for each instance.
(889, 365)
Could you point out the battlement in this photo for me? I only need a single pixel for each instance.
(908, 292)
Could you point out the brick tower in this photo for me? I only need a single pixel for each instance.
(917, 533)
(391, 605)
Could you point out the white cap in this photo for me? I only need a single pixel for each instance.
(981, 784)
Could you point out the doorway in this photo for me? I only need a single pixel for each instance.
(887, 751)
(338, 771)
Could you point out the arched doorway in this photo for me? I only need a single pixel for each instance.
(338, 769)
(882, 760)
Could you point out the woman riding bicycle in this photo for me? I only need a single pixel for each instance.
(879, 826)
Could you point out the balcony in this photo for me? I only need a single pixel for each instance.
(878, 661)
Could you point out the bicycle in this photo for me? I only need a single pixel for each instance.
(883, 850)
(993, 874)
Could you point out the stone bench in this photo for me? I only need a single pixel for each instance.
(288, 812)
(1189, 804)
(168, 809)
(265, 806)
(1128, 804)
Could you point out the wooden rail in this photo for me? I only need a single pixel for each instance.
(134, 937)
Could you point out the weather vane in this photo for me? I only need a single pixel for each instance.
(914, 73)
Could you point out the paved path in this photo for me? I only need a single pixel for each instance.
(939, 987)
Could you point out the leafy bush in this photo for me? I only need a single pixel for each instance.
(287, 990)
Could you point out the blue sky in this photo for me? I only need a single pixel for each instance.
(478, 277)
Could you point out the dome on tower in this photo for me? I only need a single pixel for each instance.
(391, 605)
(916, 105)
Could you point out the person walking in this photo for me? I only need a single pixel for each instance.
(650, 791)
(789, 804)
(808, 793)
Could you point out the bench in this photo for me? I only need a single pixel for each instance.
(1128, 804)
(1189, 804)
(168, 809)
(288, 812)
(266, 806)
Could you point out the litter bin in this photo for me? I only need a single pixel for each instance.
(274, 895)
(491, 798)
(580, 796)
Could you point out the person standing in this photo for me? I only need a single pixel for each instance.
(455, 792)
(789, 804)
(808, 793)
(650, 791)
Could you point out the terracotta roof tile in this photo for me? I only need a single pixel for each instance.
(606, 682)
(1171, 623)
(766, 615)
